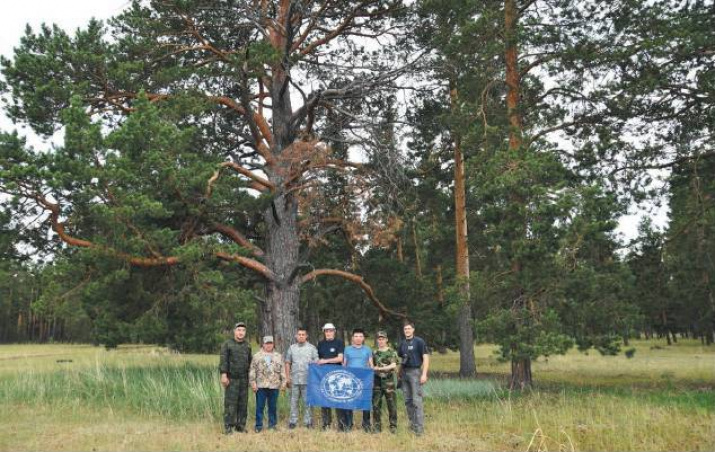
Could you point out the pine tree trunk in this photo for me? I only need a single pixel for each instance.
(440, 286)
(513, 78)
(19, 331)
(438, 270)
(664, 323)
(281, 309)
(711, 299)
(418, 261)
(520, 374)
(521, 367)
(467, 363)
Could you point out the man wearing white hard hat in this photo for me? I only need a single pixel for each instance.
(330, 353)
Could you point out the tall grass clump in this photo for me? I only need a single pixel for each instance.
(453, 389)
(181, 392)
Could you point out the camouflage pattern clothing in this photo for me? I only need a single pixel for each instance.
(384, 385)
(300, 356)
(267, 370)
(235, 361)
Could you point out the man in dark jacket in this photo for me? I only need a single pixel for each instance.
(415, 364)
(234, 366)
(330, 352)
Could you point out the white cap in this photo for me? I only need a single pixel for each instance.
(328, 326)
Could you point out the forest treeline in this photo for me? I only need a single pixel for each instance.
(463, 164)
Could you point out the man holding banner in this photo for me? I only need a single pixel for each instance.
(330, 353)
(358, 355)
(345, 388)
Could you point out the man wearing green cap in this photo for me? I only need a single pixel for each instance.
(235, 362)
(385, 360)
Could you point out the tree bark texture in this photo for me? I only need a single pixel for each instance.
(418, 260)
(520, 374)
(282, 307)
(520, 367)
(440, 286)
(467, 363)
(513, 78)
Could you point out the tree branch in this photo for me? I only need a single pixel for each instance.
(263, 183)
(237, 238)
(59, 228)
(248, 263)
(666, 164)
(261, 124)
(135, 261)
(335, 164)
(358, 11)
(357, 279)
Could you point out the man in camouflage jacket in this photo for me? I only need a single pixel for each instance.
(385, 360)
(235, 361)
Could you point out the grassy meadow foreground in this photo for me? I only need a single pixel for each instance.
(65, 397)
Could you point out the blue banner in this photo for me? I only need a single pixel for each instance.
(349, 388)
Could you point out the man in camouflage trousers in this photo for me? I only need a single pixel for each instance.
(385, 361)
(235, 362)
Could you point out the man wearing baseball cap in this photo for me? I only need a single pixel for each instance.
(330, 352)
(385, 361)
(235, 361)
(267, 379)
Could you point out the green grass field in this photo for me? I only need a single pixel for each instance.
(64, 397)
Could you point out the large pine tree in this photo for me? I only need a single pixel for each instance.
(177, 110)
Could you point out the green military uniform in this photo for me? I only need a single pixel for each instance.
(236, 362)
(384, 385)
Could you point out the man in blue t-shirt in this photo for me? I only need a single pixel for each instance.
(358, 355)
(330, 353)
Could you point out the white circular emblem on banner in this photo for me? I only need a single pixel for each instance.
(340, 385)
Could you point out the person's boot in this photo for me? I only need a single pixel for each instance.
(228, 429)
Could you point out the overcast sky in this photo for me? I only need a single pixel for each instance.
(71, 14)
